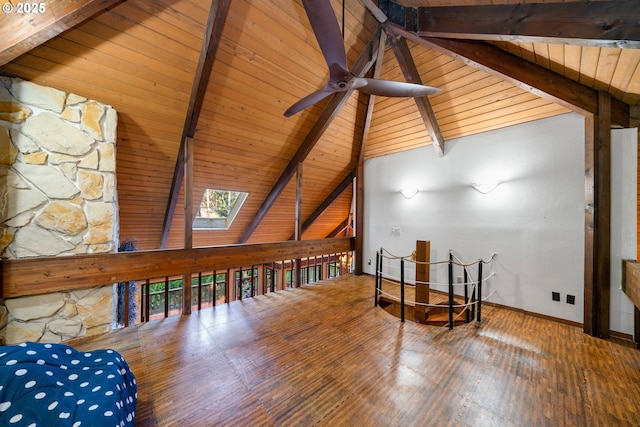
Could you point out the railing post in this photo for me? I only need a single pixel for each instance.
(377, 291)
(199, 291)
(147, 299)
(126, 303)
(402, 290)
(479, 290)
(166, 296)
(380, 271)
(467, 312)
(450, 290)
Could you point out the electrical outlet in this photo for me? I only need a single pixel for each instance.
(555, 296)
(368, 262)
(571, 299)
(458, 279)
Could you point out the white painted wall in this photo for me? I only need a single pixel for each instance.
(624, 172)
(534, 220)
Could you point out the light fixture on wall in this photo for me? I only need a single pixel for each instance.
(486, 187)
(409, 193)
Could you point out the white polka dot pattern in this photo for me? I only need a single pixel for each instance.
(55, 385)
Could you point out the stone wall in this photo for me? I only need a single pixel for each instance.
(57, 198)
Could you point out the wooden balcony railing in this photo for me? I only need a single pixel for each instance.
(33, 276)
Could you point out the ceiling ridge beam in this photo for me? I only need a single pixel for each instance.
(591, 23)
(23, 30)
(217, 18)
(328, 201)
(361, 67)
(411, 74)
(587, 23)
(523, 74)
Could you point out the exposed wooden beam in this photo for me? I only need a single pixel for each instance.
(217, 17)
(341, 188)
(339, 228)
(361, 67)
(587, 23)
(188, 193)
(22, 29)
(411, 74)
(297, 235)
(523, 74)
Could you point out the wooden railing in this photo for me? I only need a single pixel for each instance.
(33, 276)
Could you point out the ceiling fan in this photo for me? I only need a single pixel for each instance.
(327, 31)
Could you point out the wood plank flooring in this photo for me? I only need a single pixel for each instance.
(323, 355)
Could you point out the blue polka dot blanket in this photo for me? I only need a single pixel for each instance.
(44, 385)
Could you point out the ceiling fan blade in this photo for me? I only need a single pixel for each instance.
(325, 27)
(309, 100)
(397, 89)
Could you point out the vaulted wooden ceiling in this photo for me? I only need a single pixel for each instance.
(146, 59)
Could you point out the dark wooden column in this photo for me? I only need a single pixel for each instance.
(359, 216)
(188, 220)
(297, 277)
(598, 219)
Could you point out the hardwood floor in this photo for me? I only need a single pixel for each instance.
(323, 355)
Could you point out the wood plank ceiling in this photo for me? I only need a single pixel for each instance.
(141, 57)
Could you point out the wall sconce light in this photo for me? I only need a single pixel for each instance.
(487, 187)
(409, 193)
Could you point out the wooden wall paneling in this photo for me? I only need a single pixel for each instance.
(24, 31)
(628, 62)
(589, 65)
(334, 214)
(632, 96)
(556, 58)
(185, 32)
(99, 80)
(607, 64)
(144, 44)
(155, 72)
(541, 51)
(388, 147)
(572, 59)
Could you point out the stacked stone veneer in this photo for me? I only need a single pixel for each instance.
(57, 198)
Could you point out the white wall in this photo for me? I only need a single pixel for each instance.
(624, 172)
(534, 220)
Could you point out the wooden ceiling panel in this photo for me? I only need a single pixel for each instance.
(335, 214)
(140, 57)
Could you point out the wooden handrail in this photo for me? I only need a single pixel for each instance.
(33, 276)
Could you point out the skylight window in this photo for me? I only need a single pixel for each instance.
(218, 209)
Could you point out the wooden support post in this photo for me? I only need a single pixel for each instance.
(423, 257)
(296, 273)
(188, 220)
(230, 287)
(597, 219)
